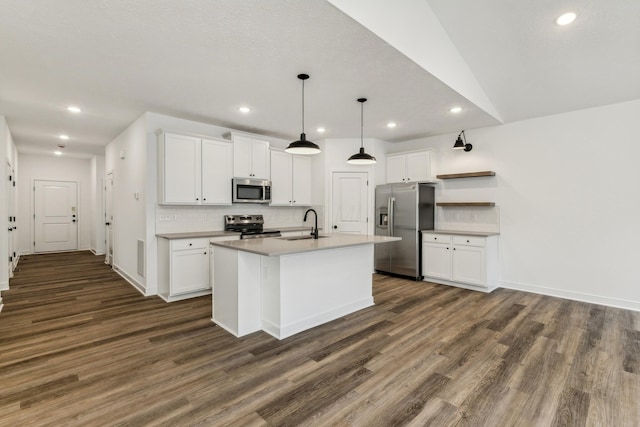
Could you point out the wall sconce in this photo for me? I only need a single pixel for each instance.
(461, 143)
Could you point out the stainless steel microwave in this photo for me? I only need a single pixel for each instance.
(248, 190)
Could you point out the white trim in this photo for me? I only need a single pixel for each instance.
(93, 251)
(4, 286)
(138, 286)
(460, 285)
(300, 325)
(576, 296)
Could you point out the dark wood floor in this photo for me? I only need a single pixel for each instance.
(79, 346)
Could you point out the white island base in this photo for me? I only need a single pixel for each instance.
(289, 293)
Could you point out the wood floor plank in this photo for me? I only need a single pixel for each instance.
(80, 346)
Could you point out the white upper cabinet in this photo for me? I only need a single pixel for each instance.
(290, 179)
(301, 180)
(194, 170)
(217, 158)
(409, 167)
(250, 157)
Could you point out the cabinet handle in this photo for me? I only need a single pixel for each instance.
(204, 199)
(205, 253)
(447, 248)
(190, 244)
(197, 198)
(454, 249)
(467, 241)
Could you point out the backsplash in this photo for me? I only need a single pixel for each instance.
(184, 219)
(471, 218)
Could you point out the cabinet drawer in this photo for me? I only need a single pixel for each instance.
(469, 241)
(178, 245)
(436, 238)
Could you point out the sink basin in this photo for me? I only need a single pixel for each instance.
(300, 237)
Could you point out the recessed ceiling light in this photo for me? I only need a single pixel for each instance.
(566, 19)
(244, 110)
(320, 130)
(64, 137)
(391, 125)
(74, 109)
(455, 109)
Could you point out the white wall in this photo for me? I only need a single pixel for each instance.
(567, 190)
(126, 157)
(39, 167)
(97, 244)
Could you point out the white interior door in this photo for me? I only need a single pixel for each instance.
(55, 216)
(349, 202)
(108, 218)
(13, 202)
(11, 223)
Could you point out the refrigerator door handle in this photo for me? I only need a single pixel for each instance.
(392, 213)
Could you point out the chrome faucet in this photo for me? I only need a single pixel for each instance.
(314, 231)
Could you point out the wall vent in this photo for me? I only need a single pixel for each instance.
(141, 258)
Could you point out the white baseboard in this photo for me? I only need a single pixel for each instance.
(576, 296)
(97, 252)
(137, 285)
(284, 331)
(4, 286)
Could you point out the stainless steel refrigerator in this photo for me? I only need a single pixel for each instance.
(402, 210)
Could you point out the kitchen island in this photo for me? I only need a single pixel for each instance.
(287, 285)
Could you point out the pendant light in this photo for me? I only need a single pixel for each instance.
(362, 158)
(462, 145)
(302, 146)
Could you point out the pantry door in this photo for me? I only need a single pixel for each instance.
(55, 216)
(349, 195)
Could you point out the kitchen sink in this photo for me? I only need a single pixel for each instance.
(300, 237)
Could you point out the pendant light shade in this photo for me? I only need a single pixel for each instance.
(361, 158)
(302, 146)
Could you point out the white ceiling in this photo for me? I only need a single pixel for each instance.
(202, 59)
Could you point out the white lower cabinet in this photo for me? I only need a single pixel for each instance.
(466, 261)
(184, 267)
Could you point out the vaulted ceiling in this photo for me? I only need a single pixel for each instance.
(500, 60)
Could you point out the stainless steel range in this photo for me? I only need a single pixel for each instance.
(250, 226)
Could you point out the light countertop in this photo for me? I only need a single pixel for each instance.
(463, 233)
(222, 233)
(276, 246)
(196, 234)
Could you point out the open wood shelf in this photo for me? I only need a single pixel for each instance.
(460, 204)
(466, 175)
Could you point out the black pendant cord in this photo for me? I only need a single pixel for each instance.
(302, 105)
(361, 124)
(362, 101)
